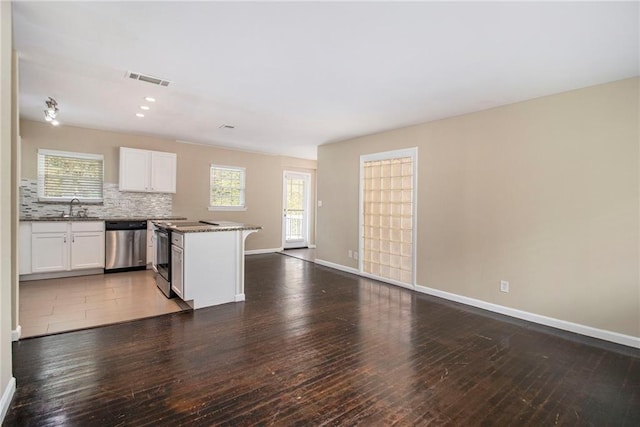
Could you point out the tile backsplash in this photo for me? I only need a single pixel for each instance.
(116, 203)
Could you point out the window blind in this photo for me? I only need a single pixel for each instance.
(227, 187)
(63, 176)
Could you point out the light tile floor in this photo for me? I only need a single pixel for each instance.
(58, 305)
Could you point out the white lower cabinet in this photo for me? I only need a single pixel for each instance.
(61, 246)
(151, 236)
(49, 252)
(24, 248)
(87, 250)
(177, 271)
(205, 266)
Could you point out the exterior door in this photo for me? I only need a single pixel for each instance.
(296, 210)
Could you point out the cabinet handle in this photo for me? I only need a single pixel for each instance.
(65, 239)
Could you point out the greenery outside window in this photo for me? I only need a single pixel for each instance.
(63, 176)
(227, 188)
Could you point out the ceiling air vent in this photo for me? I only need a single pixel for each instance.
(147, 78)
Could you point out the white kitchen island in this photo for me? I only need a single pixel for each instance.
(207, 262)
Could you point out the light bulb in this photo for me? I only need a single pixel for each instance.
(55, 122)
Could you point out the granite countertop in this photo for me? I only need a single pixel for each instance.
(193, 227)
(98, 218)
(145, 218)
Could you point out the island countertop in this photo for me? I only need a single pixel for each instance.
(216, 226)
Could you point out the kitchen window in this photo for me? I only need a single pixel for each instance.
(63, 176)
(227, 189)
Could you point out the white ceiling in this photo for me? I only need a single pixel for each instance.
(292, 76)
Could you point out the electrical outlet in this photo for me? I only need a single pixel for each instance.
(504, 286)
(319, 203)
(350, 253)
(355, 254)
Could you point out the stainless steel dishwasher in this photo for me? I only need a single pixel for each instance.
(125, 246)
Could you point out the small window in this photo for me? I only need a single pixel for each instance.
(63, 176)
(227, 188)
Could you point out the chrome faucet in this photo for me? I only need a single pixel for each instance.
(71, 206)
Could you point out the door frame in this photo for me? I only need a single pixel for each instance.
(307, 208)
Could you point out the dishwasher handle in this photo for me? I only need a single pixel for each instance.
(125, 225)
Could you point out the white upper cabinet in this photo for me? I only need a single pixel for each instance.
(134, 169)
(163, 172)
(147, 171)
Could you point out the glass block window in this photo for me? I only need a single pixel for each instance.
(387, 218)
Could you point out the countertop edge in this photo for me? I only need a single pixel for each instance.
(214, 229)
(89, 219)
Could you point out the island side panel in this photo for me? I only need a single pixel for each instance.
(210, 268)
(242, 237)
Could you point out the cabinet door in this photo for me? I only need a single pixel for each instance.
(24, 248)
(150, 237)
(177, 267)
(134, 169)
(49, 252)
(163, 172)
(154, 252)
(87, 250)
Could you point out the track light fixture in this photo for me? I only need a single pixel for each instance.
(51, 111)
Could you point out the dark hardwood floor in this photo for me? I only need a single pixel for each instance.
(314, 346)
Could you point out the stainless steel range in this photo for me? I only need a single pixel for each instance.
(163, 253)
(163, 259)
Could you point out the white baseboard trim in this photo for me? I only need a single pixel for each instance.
(60, 274)
(262, 251)
(338, 266)
(577, 328)
(5, 401)
(239, 297)
(16, 333)
(385, 280)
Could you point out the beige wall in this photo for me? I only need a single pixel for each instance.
(543, 193)
(263, 173)
(7, 255)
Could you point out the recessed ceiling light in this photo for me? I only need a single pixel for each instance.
(144, 107)
(149, 99)
(139, 115)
